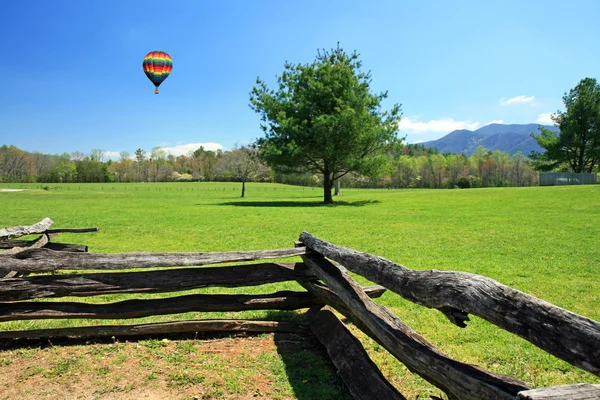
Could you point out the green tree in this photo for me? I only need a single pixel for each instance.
(479, 157)
(501, 161)
(518, 164)
(63, 170)
(457, 167)
(205, 161)
(405, 173)
(242, 163)
(323, 119)
(140, 157)
(577, 144)
(158, 163)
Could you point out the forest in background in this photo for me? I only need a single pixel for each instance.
(412, 166)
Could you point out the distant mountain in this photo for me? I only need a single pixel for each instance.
(508, 138)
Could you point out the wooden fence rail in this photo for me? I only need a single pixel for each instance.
(572, 337)
(324, 275)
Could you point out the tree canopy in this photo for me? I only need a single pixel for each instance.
(577, 145)
(323, 118)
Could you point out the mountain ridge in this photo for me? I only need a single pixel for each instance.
(509, 138)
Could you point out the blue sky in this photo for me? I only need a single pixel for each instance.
(73, 80)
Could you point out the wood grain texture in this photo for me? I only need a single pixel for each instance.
(283, 300)
(327, 296)
(582, 391)
(8, 244)
(46, 260)
(361, 376)
(161, 329)
(456, 379)
(569, 336)
(170, 280)
(33, 244)
(136, 308)
(18, 231)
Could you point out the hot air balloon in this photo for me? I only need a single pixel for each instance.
(157, 66)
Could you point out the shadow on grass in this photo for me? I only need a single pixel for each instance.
(309, 369)
(298, 203)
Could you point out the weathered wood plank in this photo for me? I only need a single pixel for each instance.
(327, 296)
(8, 244)
(73, 230)
(361, 376)
(566, 335)
(45, 260)
(582, 391)
(136, 308)
(93, 284)
(74, 248)
(18, 231)
(34, 244)
(456, 379)
(284, 300)
(161, 329)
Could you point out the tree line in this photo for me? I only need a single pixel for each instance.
(410, 166)
(415, 166)
(238, 164)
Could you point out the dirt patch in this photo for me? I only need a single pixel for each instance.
(222, 368)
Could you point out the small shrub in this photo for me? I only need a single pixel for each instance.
(463, 183)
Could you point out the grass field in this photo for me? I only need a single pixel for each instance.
(541, 240)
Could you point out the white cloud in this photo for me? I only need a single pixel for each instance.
(496, 121)
(439, 125)
(184, 149)
(418, 141)
(111, 155)
(545, 119)
(516, 100)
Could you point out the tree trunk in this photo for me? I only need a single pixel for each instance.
(337, 187)
(243, 187)
(327, 185)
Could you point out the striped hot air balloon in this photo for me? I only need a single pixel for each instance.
(157, 66)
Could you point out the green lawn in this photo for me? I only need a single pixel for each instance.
(541, 240)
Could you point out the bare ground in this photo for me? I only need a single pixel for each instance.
(223, 368)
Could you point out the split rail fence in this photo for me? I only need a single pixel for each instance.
(28, 270)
